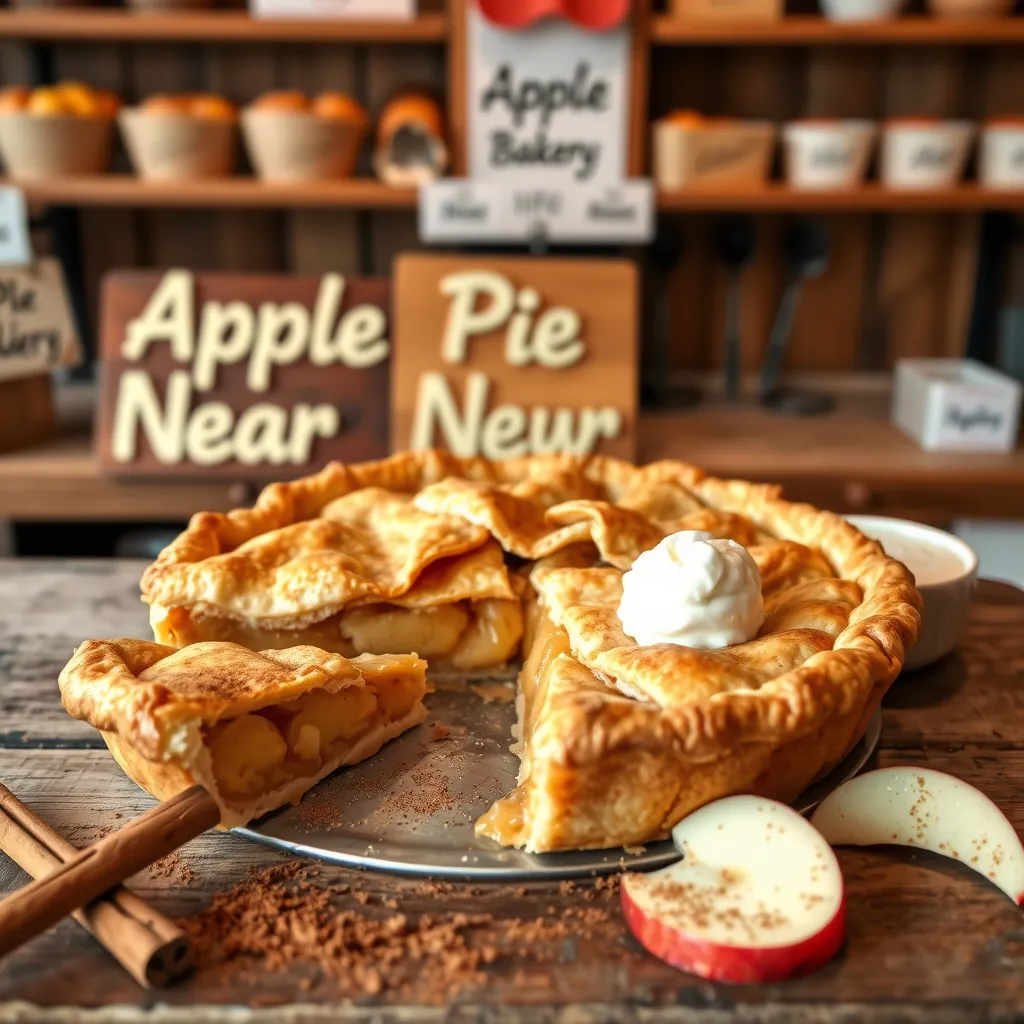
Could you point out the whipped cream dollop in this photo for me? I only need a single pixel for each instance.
(694, 590)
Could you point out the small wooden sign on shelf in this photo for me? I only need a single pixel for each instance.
(509, 357)
(242, 376)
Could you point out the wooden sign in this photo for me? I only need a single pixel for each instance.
(507, 357)
(37, 331)
(252, 376)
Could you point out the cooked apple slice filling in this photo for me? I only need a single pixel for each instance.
(463, 636)
(259, 752)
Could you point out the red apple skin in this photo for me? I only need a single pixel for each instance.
(735, 964)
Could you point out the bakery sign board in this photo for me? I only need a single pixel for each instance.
(241, 376)
(545, 93)
(507, 357)
(37, 329)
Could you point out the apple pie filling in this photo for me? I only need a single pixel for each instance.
(461, 636)
(265, 750)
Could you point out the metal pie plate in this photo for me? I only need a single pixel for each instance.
(410, 809)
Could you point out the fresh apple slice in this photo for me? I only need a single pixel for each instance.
(930, 810)
(757, 897)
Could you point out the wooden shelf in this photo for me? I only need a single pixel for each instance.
(127, 190)
(818, 31)
(866, 198)
(211, 27)
(369, 194)
(836, 461)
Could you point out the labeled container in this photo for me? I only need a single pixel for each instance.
(861, 10)
(1001, 154)
(178, 146)
(690, 151)
(956, 405)
(36, 146)
(827, 154)
(923, 153)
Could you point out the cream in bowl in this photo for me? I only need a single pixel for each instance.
(945, 569)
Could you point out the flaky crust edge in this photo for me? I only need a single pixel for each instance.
(282, 504)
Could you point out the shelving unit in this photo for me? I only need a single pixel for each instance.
(124, 190)
(917, 302)
(797, 30)
(83, 24)
(837, 464)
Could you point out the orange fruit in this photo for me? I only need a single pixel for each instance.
(212, 107)
(14, 97)
(78, 98)
(160, 103)
(338, 105)
(686, 118)
(46, 102)
(283, 100)
(106, 103)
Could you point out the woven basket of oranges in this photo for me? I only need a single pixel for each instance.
(172, 138)
(293, 138)
(56, 131)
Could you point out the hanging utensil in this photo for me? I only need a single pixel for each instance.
(736, 243)
(805, 249)
(656, 389)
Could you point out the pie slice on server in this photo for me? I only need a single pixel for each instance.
(257, 730)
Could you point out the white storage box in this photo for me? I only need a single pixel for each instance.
(956, 405)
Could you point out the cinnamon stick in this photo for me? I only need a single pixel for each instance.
(151, 948)
(105, 865)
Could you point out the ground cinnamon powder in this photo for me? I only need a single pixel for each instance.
(281, 917)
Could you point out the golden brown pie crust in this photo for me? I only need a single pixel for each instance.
(625, 740)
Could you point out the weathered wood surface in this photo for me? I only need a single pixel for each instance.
(929, 941)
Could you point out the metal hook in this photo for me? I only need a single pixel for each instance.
(539, 240)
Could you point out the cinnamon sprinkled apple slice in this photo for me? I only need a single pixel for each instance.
(758, 896)
(930, 810)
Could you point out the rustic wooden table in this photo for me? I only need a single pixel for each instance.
(929, 941)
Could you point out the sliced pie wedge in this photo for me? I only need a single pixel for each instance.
(257, 730)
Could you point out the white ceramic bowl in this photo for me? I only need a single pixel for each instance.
(925, 155)
(176, 147)
(946, 570)
(1001, 163)
(827, 154)
(860, 10)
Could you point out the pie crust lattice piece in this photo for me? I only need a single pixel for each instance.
(256, 729)
(479, 559)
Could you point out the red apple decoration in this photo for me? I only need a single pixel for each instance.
(758, 896)
(930, 810)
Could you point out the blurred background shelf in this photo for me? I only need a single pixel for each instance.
(810, 30)
(867, 198)
(82, 24)
(125, 190)
(851, 460)
(241, 192)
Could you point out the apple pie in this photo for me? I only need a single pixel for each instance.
(472, 564)
(257, 730)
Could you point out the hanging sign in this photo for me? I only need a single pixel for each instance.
(37, 330)
(547, 89)
(245, 376)
(452, 210)
(547, 104)
(509, 357)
